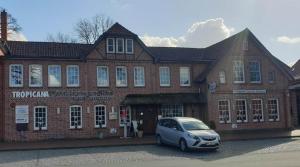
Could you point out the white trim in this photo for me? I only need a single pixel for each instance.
(54, 65)
(30, 74)
(189, 73)
(117, 45)
(163, 85)
(134, 74)
(126, 77)
(97, 73)
(46, 123)
(73, 85)
(73, 127)
(246, 110)
(22, 76)
(131, 48)
(102, 126)
(238, 82)
(262, 110)
(107, 51)
(229, 111)
(223, 72)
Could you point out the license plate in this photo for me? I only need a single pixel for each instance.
(210, 143)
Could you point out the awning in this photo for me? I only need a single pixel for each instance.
(166, 98)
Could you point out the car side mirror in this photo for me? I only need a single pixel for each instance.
(174, 128)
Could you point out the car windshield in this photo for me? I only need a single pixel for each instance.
(194, 125)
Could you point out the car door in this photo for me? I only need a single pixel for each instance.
(175, 132)
(164, 130)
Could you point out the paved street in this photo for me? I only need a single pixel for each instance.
(275, 152)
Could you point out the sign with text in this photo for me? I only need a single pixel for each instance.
(246, 91)
(22, 114)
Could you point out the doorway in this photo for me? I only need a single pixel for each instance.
(147, 114)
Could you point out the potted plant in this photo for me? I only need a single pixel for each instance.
(140, 130)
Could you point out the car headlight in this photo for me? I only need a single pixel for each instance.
(193, 136)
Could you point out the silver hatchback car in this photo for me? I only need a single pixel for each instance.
(187, 133)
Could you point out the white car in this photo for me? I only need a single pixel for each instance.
(186, 133)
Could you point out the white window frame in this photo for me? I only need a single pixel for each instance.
(234, 72)
(70, 116)
(107, 45)
(117, 45)
(136, 84)
(95, 112)
(222, 77)
(181, 76)
(126, 80)
(274, 76)
(129, 115)
(49, 83)
(30, 74)
(34, 121)
(229, 111)
(246, 111)
(98, 79)
(11, 84)
(131, 46)
(168, 110)
(262, 110)
(278, 112)
(259, 71)
(67, 69)
(160, 77)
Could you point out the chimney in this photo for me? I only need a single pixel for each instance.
(4, 25)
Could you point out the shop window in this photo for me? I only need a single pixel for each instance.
(164, 76)
(120, 45)
(241, 111)
(16, 75)
(172, 110)
(123, 110)
(257, 110)
(72, 75)
(129, 46)
(110, 45)
(100, 116)
(273, 110)
(54, 75)
(139, 76)
(222, 77)
(75, 117)
(35, 75)
(121, 76)
(254, 69)
(238, 72)
(40, 118)
(102, 76)
(224, 111)
(271, 76)
(185, 79)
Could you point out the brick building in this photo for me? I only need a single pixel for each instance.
(63, 90)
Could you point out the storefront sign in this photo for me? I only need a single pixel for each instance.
(245, 91)
(113, 116)
(26, 94)
(22, 114)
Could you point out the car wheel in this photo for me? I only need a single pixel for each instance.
(158, 140)
(182, 145)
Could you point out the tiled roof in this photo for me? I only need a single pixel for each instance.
(296, 69)
(177, 54)
(24, 49)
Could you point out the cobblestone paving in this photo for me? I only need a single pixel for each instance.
(111, 156)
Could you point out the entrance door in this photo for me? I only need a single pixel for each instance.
(298, 109)
(148, 115)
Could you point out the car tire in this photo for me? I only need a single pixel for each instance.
(158, 140)
(182, 145)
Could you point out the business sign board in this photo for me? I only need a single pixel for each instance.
(247, 91)
(22, 114)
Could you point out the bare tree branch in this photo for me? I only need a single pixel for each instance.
(12, 24)
(60, 37)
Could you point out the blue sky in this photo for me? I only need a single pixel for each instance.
(189, 23)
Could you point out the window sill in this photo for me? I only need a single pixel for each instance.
(75, 128)
(107, 86)
(185, 85)
(122, 86)
(141, 86)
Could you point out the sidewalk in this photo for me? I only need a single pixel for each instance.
(146, 140)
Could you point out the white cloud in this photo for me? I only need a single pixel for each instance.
(16, 36)
(288, 40)
(200, 34)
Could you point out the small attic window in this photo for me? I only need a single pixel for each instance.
(245, 44)
(110, 45)
(120, 45)
(129, 46)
